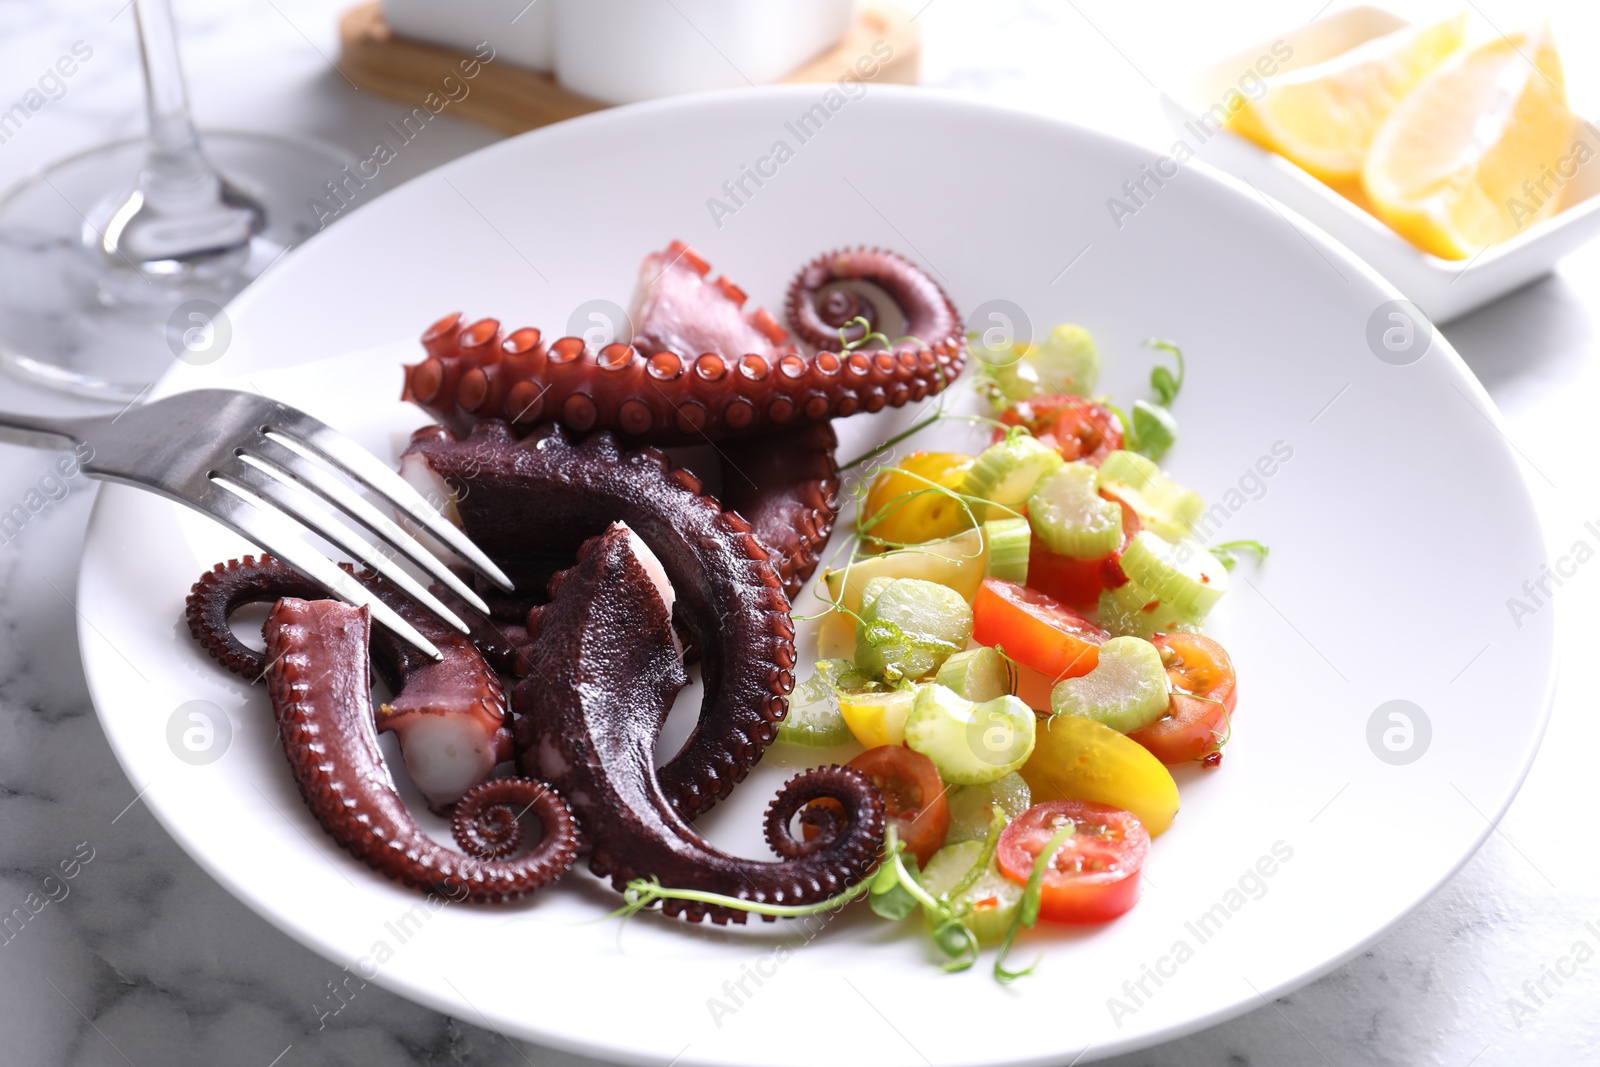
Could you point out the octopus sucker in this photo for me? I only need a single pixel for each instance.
(587, 718)
(550, 492)
(449, 716)
(548, 451)
(317, 676)
(700, 366)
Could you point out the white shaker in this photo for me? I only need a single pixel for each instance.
(620, 51)
(520, 32)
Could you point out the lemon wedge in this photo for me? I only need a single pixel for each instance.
(1472, 156)
(1324, 116)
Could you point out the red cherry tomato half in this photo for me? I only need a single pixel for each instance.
(1204, 693)
(1095, 874)
(1077, 583)
(1035, 629)
(913, 797)
(1073, 426)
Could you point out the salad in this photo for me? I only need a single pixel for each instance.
(1014, 644)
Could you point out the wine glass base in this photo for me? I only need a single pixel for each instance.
(69, 324)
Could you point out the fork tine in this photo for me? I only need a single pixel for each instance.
(253, 519)
(366, 469)
(283, 462)
(310, 512)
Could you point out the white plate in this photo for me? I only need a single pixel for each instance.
(1444, 289)
(1397, 526)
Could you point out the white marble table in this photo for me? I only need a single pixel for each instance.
(140, 959)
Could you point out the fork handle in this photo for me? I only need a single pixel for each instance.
(41, 431)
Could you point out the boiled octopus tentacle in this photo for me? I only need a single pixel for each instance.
(894, 296)
(783, 482)
(605, 674)
(666, 396)
(502, 644)
(552, 492)
(786, 485)
(227, 587)
(317, 653)
(449, 715)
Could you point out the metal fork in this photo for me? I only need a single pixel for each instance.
(267, 471)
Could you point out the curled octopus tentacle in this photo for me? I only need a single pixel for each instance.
(317, 670)
(486, 819)
(785, 485)
(226, 588)
(894, 296)
(450, 715)
(820, 783)
(605, 674)
(650, 392)
(551, 492)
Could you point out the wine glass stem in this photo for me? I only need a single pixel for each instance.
(177, 174)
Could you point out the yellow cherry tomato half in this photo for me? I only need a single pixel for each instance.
(1078, 758)
(903, 508)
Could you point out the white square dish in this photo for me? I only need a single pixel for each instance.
(1444, 289)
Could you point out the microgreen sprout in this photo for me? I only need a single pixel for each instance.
(1152, 429)
(1028, 912)
(1226, 551)
(867, 335)
(1226, 733)
(1162, 380)
(643, 892)
(966, 501)
(991, 843)
(1013, 672)
(939, 415)
(896, 892)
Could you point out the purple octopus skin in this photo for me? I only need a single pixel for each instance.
(787, 486)
(549, 492)
(784, 481)
(317, 676)
(743, 378)
(835, 289)
(605, 671)
(449, 715)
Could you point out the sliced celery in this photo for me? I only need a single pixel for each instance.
(1183, 575)
(972, 807)
(1071, 517)
(957, 563)
(1065, 361)
(910, 628)
(1127, 690)
(1007, 471)
(1132, 610)
(977, 674)
(874, 586)
(970, 743)
(988, 903)
(1161, 504)
(814, 718)
(1008, 542)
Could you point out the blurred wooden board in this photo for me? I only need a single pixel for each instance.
(513, 99)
